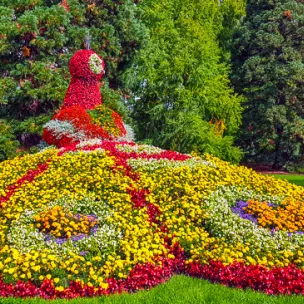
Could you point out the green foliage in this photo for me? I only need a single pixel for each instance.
(295, 167)
(268, 69)
(231, 13)
(113, 99)
(179, 80)
(8, 146)
(37, 39)
(31, 125)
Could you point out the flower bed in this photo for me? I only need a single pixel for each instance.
(99, 217)
(82, 115)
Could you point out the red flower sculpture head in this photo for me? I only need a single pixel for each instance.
(86, 68)
(87, 64)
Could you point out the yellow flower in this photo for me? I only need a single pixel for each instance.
(59, 288)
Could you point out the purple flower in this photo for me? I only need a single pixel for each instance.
(94, 229)
(299, 232)
(238, 209)
(78, 237)
(273, 230)
(272, 205)
(82, 253)
(47, 238)
(60, 241)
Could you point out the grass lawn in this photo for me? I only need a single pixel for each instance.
(292, 178)
(182, 289)
(179, 290)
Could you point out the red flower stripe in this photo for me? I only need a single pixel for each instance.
(119, 123)
(141, 277)
(124, 156)
(28, 177)
(287, 280)
(138, 198)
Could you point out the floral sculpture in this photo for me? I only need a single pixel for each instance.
(98, 218)
(86, 68)
(109, 216)
(82, 115)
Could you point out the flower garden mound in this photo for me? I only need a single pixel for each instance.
(103, 217)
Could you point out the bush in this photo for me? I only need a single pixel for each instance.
(8, 145)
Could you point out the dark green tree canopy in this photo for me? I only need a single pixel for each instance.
(37, 39)
(268, 68)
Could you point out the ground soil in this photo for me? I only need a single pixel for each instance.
(265, 168)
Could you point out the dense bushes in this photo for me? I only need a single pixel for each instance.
(268, 69)
(37, 40)
(8, 144)
(182, 95)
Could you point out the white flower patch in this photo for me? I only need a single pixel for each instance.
(95, 64)
(154, 164)
(140, 149)
(130, 134)
(222, 222)
(89, 142)
(24, 237)
(100, 151)
(64, 128)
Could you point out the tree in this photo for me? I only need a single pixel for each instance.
(182, 94)
(37, 39)
(268, 69)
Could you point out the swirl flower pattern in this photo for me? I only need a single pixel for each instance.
(105, 216)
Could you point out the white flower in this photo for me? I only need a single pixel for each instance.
(96, 64)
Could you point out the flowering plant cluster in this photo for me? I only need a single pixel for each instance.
(109, 120)
(82, 116)
(288, 216)
(96, 64)
(79, 127)
(99, 217)
(63, 224)
(75, 125)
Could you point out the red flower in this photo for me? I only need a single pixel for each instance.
(83, 90)
(81, 121)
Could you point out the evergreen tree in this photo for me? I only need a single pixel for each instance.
(37, 39)
(268, 68)
(182, 95)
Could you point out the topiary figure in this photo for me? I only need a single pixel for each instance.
(82, 115)
(86, 68)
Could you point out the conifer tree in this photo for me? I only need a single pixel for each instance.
(182, 94)
(268, 68)
(37, 39)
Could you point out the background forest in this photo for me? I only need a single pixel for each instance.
(217, 76)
